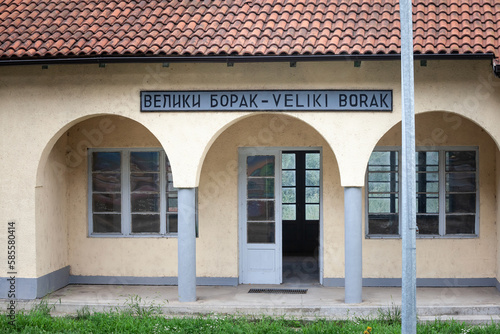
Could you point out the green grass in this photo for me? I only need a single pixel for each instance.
(136, 318)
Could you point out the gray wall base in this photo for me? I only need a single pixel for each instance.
(32, 288)
(421, 282)
(131, 280)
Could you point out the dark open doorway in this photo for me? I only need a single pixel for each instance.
(301, 180)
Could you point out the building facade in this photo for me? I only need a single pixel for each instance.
(115, 170)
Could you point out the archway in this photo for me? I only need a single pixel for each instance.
(219, 193)
(456, 204)
(64, 204)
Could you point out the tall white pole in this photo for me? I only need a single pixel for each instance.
(408, 197)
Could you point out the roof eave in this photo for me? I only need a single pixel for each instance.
(234, 58)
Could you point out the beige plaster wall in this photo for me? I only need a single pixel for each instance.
(38, 106)
(217, 246)
(51, 215)
(498, 212)
(445, 258)
(90, 256)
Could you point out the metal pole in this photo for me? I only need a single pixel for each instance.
(408, 206)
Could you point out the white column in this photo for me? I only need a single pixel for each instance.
(187, 245)
(353, 240)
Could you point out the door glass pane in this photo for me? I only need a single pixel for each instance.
(289, 195)
(312, 177)
(260, 199)
(312, 195)
(288, 178)
(146, 223)
(289, 212)
(260, 188)
(144, 161)
(260, 233)
(312, 160)
(260, 165)
(288, 161)
(312, 211)
(260, 210)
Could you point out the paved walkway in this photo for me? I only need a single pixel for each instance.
(475, 305)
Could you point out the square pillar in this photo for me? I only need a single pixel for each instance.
(187, 244)
(353, 241)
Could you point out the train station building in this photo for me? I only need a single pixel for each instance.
(244, 142)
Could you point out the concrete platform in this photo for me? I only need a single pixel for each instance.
(473, 305)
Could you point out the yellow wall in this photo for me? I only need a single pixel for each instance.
(109, 256)
(498, 213)
(217, 247)
(38, 107)
(51, 216)
(445, 258)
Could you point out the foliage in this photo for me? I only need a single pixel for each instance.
(137, 318)
(136, 307)
(391, 315)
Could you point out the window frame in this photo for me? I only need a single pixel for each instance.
(441, 194)
(126, 212)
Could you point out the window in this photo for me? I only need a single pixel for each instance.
(131, 193)
(447, 194)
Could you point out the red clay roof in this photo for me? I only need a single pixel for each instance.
(82, 28)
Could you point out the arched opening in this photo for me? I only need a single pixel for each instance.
(300, 210)
(456, 203)
(104, 193)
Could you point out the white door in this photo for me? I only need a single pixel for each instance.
(260, 215)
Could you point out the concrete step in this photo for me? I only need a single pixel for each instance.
(470, 319)
(464, 310)
(470, 314)
(476, 315)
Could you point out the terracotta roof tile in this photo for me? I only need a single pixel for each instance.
(65, 28)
